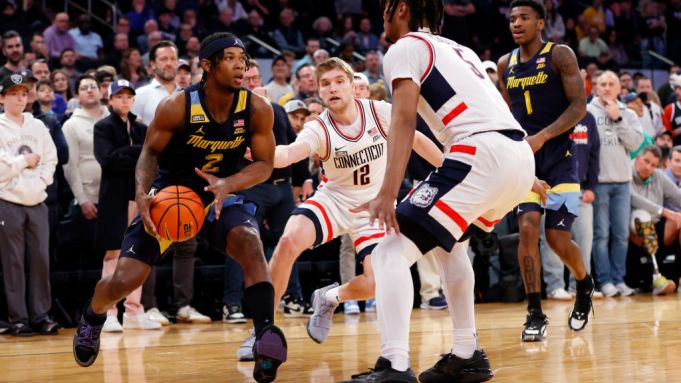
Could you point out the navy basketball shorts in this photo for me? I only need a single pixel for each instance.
(141, 245)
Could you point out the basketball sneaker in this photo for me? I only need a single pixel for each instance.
(188, 314)
(319, 324)
(370, 306)
(351, 307)
(155, 315)
(662, 285)
(535, 327)
(451, 368)
(232, 314)
(625, 290)
(579, 316)
(112, 324)
(245, 351)
(86, 343)
(270, 352)
(139, 322)
(384, 373)
(437, 303)
(295, 307)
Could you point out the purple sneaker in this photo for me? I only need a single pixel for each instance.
(270, 352)
(86, 343)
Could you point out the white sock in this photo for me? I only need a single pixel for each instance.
(458, 282)
(332, 295)
(391, 260)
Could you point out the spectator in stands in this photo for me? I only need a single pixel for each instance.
(163, 63)
(224, 22)
(311, 46)
(118, 140)
(652, 103)
(27, 162)
(673, 171)
(554, 27)
(672, 112)
(587, 147)
(192, 48)
(238, 10)
(62, 90)
(143, 39)
(255, 26)
(372, 64)
(315, 106)
(132, 68)
(378, 91)
(57, 36)
(297, 112)
(165, 18)
(307, 84)
(620, 132)
(617, 51)
(45, 97)
(666, 90)
(456, 26)
(88, 44)
(279, 85)
(104, 79)
(138, 15)
(67, 63)
(183, 78)
(367, 41)
(593, 49)
(154, 38)
(319, 56)
(635, 102)
(120, 44)
(650, 191)
(170, 6)
(652, 29)
(594, 16)
(287, 36)
(38, 45)
(361, 83)
(13, 50)
(322, 28)
(627, 83)
(82, 172)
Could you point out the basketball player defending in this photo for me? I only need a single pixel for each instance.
(350, 138)
(207, 126)
(542, 84)
(487, 170)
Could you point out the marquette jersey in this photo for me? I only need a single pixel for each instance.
(537, 100)
(205, 144)
(457, 98)
(353, 157)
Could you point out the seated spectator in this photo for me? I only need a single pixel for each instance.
(143, 40)
(120, 44)
(314, 106)
(366, 40)
(287, 35)
(311, 46)
(38, 45)
(322, 28)
(27, 161)
(57, 36)
(60, 83)
(617, 50)
(307, 84)
(88, 44)
(650, 190)
(192, 47)
(372, 64)
(378, 91)
(673, 171)
(170, 6)
(663, 140)
(666, 90)
(255, 26)
(554, 27)
(224, 22)
(138, 15)
(235, 5)
(593, 49)
(67, 63)
(183, 78)
(319, 56)
(165, 18)
(627, 83)
(594, 16)
(132, 68)
(279, 85)
(672, 112)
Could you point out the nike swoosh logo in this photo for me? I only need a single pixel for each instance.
(339, 148)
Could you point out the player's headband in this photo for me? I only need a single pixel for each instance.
(218, 45)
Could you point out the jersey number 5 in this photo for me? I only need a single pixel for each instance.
(212, 159)
(361, 175)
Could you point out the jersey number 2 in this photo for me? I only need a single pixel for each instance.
(361, 175)
(212, 159)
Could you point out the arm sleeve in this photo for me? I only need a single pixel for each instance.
(594, 157)
(408, 58)
(629, 130)
(111, 158)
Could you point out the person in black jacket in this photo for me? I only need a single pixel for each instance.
(118, 141)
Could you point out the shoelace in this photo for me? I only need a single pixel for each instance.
(88, 337)
(443, 360)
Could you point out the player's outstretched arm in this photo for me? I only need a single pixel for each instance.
(168, 118)
(564, 61)
(285, 155)
(427, 149)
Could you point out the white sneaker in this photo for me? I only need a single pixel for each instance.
(625, 290)
(319, 324)
(156, 316)
(112, 325)
(560, 294)
(139, 322)
(245, 351)
(188, 314)
(609, 290)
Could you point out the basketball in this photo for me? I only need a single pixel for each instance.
(177, 212)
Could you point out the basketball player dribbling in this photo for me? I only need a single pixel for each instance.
(196, 139)
(543, 87)
(488, 168)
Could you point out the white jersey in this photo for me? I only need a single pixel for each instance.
(353, 157)
(457, 98)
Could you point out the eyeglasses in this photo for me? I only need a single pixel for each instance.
(88, 87)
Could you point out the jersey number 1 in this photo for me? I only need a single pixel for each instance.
(528, 102)
(361, 175)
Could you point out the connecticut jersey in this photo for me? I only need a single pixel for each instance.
(457, 98)
(353, 157)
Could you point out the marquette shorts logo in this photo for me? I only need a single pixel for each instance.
(199, 118)
(423, 196)
(522, 82)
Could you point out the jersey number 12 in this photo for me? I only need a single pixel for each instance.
(361, 176)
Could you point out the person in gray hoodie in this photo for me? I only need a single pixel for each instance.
(28, 158)
(620, 132)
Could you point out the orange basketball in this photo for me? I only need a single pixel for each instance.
(177, 212)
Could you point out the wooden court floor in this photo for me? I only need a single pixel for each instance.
(634, 339)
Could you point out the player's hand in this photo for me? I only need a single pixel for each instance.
(307, 189)
(32, 160)
(144, 201)
(612, 109)
(541, 187)
(89, 210)
(672, 216)
(381, 208)
(588, 196)
(218, 186)
(536, 142)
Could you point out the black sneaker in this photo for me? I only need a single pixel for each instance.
(579, 316)
(86, 343)
(47, 327)
(269, 352)
(294, 307)
(535, 327)
(21, 328)
(232, 314)
(383, 372)
(451, 368)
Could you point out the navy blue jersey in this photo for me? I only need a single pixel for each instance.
(215, 148)
(537, 100)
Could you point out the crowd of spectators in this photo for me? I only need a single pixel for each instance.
(71, 64)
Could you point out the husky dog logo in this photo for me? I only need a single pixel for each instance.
(423, 196)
